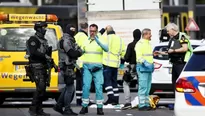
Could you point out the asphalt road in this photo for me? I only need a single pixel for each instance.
(92, 112)
(19, 107)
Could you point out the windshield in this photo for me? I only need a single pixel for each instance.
(14, 39)
(196, 62)
(164, 49)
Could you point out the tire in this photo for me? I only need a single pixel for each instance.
(56, 98)
(2, 99)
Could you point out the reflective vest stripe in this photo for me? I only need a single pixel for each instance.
(86, 62)
(111, 60)
(147, 54)
(93, 52)
(117, 55)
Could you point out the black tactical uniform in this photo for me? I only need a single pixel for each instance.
(69, 51)
(37, 47)
(177, 59)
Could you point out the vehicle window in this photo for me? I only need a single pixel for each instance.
(14, 39)
(194, 46)
(196, 62)
(163, 49)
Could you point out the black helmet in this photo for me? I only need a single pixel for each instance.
(40, 25)
(163, 35)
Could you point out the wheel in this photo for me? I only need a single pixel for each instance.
(56, 99)
(2, 99)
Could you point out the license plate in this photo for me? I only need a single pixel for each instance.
(170, 70)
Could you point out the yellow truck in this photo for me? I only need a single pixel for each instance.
(15, 29)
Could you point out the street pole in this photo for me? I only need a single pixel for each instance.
(39, 2)
(191, 14)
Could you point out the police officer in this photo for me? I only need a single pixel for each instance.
(145, 67)
(37, 48)
(93, 69)
(111, 62)
(179, 51)
(69, 51)
(130, 73)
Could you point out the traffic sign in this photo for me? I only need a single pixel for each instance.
(192, 26)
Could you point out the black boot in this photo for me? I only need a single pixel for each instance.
(58, 109)
(42, 113)
(69, 112)
(90, 103)
(100, 111)
(32, 111)
(84, 110)
(109, 101)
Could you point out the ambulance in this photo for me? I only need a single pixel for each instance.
(15, 29)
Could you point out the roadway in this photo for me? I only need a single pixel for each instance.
(19, 107)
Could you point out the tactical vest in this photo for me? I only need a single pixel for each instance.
(42, 49)
(43, 46)
(190, 49)
(63, 57)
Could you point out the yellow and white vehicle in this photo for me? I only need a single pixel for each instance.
(15, 29)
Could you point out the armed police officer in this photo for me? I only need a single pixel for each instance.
(38, 50)
(179, 51)
(69, 52)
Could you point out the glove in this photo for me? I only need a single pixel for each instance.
(48, 57)
(147, 64)
(80, 51)
(96, 37)
(122, 66)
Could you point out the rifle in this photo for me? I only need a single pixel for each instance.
(51, 64)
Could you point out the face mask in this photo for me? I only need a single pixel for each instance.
(72, 33)
(43, 31)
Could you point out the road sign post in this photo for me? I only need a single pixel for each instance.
(191, 15)
(192, 26)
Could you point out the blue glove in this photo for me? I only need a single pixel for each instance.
(148, 65)
(104, 47)
(122, 66)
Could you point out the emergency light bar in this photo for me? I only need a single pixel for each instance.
(29, 17)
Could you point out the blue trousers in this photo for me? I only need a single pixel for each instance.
(79, 86)
(111, 87)
(98, 80)
(145, 79)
